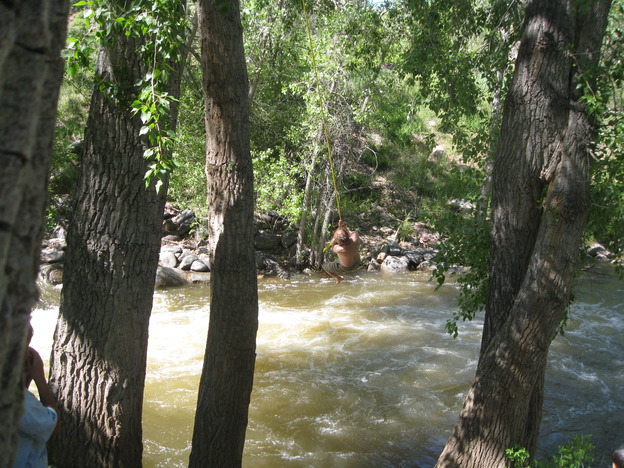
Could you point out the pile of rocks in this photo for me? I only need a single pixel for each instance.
(185, 257)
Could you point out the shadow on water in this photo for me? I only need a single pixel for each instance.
(363, 374)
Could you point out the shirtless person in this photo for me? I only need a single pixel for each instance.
(346, 244)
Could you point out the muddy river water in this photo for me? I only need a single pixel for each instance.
(363, 374)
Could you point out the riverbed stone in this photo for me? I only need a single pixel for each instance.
(52, 255)
(395, 264)
(52, 273)
(184, 222)
(197, 277)
(187, 260)
(169, 277)
(289, 239)
(267, 241)
(417, 256)
(168, 259)
(205, 258)
(198, 265)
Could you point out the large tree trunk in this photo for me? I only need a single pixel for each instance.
(100, 346)
(227, 375)
(539, 206)
(31, 70)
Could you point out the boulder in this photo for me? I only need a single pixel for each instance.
(197, 277)
(198, 265)
(184, 221)
(187, 260)
(267, 241)
(599, 252)
(205, 258)
(52, 255)
(289, 239)
(418, 256)
(52, 273)
(169, 277)
(392, 264)
(168, 259)
(267, 265)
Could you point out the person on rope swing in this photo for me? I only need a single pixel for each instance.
(346, 244)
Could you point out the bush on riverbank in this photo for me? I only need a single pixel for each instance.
(577, 453)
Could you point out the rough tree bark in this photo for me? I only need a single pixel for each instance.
(31, 69)
(539, 206)
(99, 353)
(227, 375)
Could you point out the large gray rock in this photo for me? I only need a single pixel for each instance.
(169, 277)
(393, 264)
(289, 239)
(198, 265)
(184, 222)
(52, 255)
(267, 241)
(187, 261)
(205, 258)
(418, 256)
(168, 259)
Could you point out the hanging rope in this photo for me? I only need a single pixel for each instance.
(322, 106)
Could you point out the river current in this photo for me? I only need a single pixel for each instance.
(363, 374)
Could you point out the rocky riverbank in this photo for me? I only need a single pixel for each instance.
(184, 255)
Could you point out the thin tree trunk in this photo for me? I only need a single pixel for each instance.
(539, 206)
(31, 71)
(323, 204)
(307, 202)
(312, 174)
(227, 375)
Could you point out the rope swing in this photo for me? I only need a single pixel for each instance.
(322, 107)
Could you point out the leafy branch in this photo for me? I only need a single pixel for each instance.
(158, 26)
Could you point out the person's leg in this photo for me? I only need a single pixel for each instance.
(333, 269)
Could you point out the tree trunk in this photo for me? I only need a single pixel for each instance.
(227, 375)
(307, 203)
(539, 206)
(100, 345)
(31, 71)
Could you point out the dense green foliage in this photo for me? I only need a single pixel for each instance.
(606, 223)
(577, 453)
(380, 86)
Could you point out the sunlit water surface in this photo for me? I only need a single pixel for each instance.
(363, 374)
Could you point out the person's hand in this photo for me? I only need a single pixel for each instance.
(33, 367)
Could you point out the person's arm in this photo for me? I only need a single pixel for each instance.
(340, 249)
(34, 368)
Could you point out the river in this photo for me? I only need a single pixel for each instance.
(362, 374)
